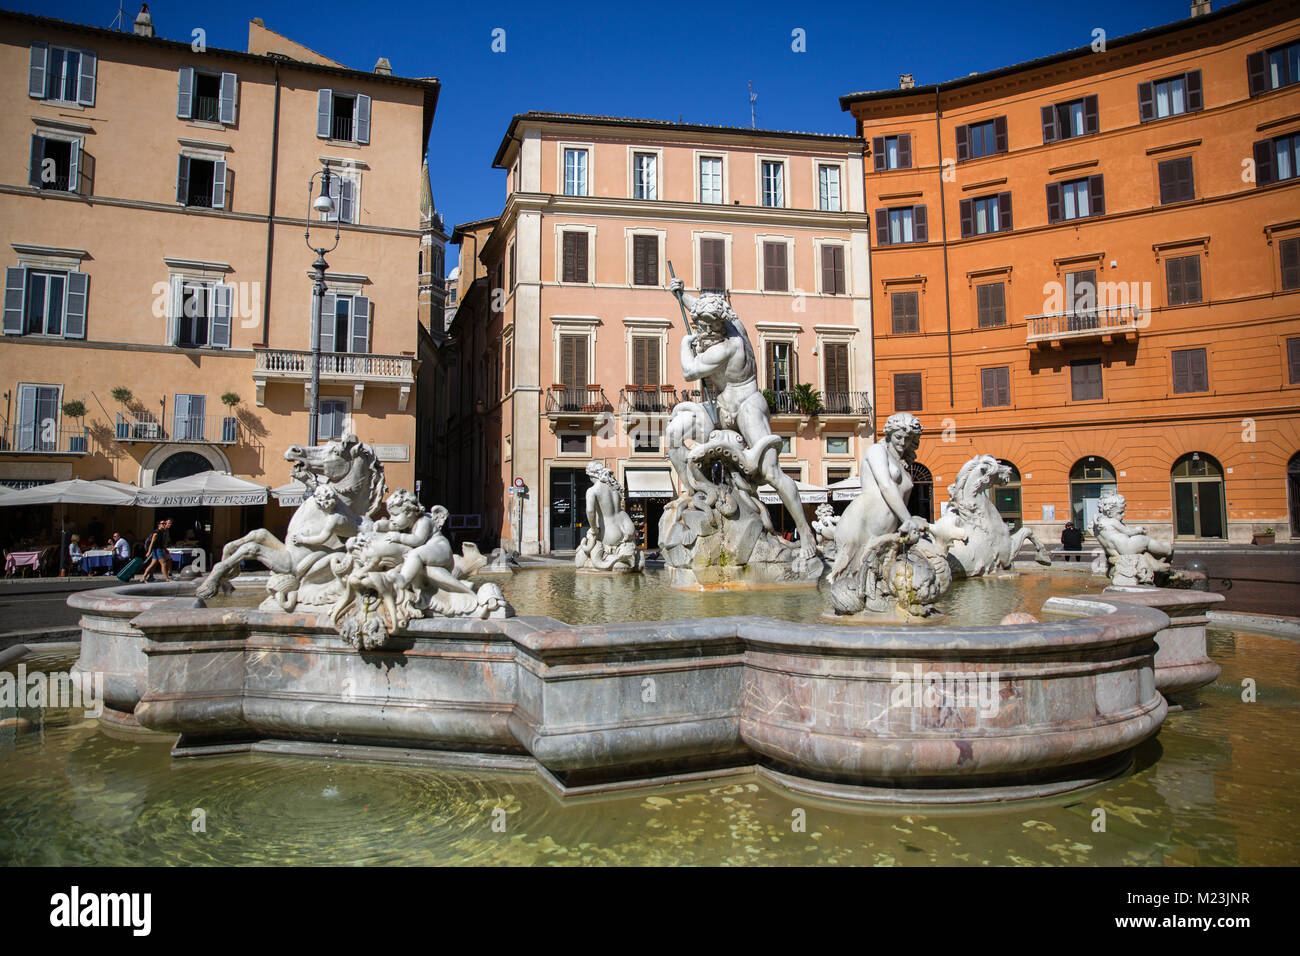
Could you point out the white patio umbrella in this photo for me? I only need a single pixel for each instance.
(808, 494)
(290, 494)
(845, 490)
(212, 488)
(74, 491)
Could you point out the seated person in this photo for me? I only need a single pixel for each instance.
(74, 552)
(121, 552)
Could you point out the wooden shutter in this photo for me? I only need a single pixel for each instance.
(181, 416)
(1293, 361)
(1146, 102)
(904, 307)
(15, 288)
(1174, 281)
(185, 92)
(837, 369)
(878, 152)
(1003, 385)
(1182, 378)
(569, 267)
(360, 324)
(74, 166)
(967, 209)
(713, 267)
(1096, 196)
(1256, 73)
(1004, 212)
(920, 229)
(1192, 279)
(347, 208)
(175, 309)
(771, 365)
(990, 303)
(774, 267)
(905, 151)
(1265, 165)
(328, 319)
(1192, 89)
(963, 143)
(833, 270)
(1051, 131)
(324, 108)
(1000, 133)
(1176, 183)
(361, 121)
(219, 184)
(1289, 252)
(36, 70)
(1054, 211)
(575, 257)
(645, 360)
(227, 104)
(573, 361)
(907, 391)
(183, 179)
(1200, 373)
(988, 387)
(882, 227)
(645, 260)
(35, 158)
(1091, 121)
(86, 86)
(223, 300)
(74, 312)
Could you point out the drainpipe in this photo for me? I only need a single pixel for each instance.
(943, 228)
(270, 213)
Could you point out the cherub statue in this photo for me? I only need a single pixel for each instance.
(1132, 557)
(824, 522)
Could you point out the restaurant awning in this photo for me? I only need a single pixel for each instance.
(210, 488)
(808, 494)
(74, 491)
(647, 483)
(845, 490)
(291, 494)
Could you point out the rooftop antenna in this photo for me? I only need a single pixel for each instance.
(753, 98)
(119, 20)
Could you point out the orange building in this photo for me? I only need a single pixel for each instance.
(1088, 266)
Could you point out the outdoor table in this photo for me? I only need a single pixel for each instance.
(97, 560)
(22, 559)
(183, 556)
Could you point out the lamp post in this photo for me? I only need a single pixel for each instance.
(323, 204)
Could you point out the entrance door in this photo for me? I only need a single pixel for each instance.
(1293, 493)
(1198, 497)
(921, 501)
(568, 507)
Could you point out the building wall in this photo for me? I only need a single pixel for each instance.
(1247, 418)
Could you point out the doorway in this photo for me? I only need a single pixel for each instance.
(1199, 510)
(1293, 493)
(921, 501)
(568, 507)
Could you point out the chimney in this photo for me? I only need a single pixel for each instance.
(1200, 7)
(143, 22)
(383, 67)
(905, 81)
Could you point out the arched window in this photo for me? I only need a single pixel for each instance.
(1199, 507)
(1006, 497)
(1090, 478)
(921, 501)
(181, 465)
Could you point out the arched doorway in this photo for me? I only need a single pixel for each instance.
(181, 465)
(921, 501)
(1090, 478)
(1199, 507)
(1293, 492)
(1006, 498)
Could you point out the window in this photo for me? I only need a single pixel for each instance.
(1076, 199)
(1183, 279)
(507, 370)
(573, 444)
(905, 224)
(1085, 380)
(907, 392)
(575, 257)
(1289, 252)
(343, 190)
(1190, 374)
(512, 266)
(343, 116)
(835, 377)
(573, 361)
(775, 278)
(833, 270)
(837, 445)
(986, 214)
(1293, 361)
(345, 323)
(828, 188)
(995, 387)
(1273, 69)
(904, 308)
(1068, 120)
(207, 97)
(644, 176)
(38, 418)
(991, 304)
(1171, 96)
(645, 260)
(187, 417)
(331, 419)
(45, 302)
(711, 179)
(193, 321)
(55, 164)
(575, 173)
(892, 152)
(773, 183)
(1081, 299)
(645, 360)
(982, 139)
(1277, 159)
(713, 264)
(787, 447)
(780, 366)
(1176, 183)
(201, 182)
(63, 74)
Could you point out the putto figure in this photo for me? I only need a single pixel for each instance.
(610, 541)
(1131, 557)
(723, 448)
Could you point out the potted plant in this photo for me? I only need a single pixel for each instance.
(770, 395)
(1267, 536)
(74, 408)
(122, 427)
(807, 399)
(229, 424)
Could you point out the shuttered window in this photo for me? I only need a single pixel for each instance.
(645, 260)
(1183, 279)
(575, 257)
(38, 418)
(991, 304)
(201, 182)
(899, 225)
(507, 364)
(833, 270)
(1190, 373)
(713, 264)
(38, 302)
(343, 116)
(1176, 184)
(775, 278)
(62, 73)
(1277, 159)
(1293, 361)
(892, 152)
(995, 387)
(55, 164)
(905, 309)
(1273, 69)
(1289, 252)
(645, 360)
(207, 97)
(1070, 119)
(1076, 199)
(985, 214)
(836, 373)
(982, 139)
(573, 361)
(780, 366)
(1085, 380)
(907, 392)
(1172, 96)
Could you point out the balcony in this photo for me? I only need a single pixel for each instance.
(33, 440)
(355, 369)
(646, 400)
(205, 429)
(575, 402)
(1108, 323)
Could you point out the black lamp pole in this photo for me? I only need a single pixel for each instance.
(323, 203)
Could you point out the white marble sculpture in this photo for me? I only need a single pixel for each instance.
(1131, 557)
(990, 544)
(824, 523)
(610, 541)
(723, 448)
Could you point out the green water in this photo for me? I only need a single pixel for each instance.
(1220, 785)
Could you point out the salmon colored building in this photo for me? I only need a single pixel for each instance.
(152, 200)
(1088, 266)
(565, 346)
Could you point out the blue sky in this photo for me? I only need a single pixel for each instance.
(660, 60)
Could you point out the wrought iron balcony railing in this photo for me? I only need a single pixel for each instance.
(35, 439)
(576, 400)
(847, 403)
(208, 429)
(1085, 323)
(646, 399)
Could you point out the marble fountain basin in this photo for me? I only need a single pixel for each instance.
(915, 715)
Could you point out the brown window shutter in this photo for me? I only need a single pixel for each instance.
(920, 228)
(1181, 378)
(1293, 361)
(1265, 166)
(878, 152)
(837, 368)
(1289, 252)
(1200, 371)
(1096, 196)
(1192, 87)
(771, 365)
(988, 387)
(1004, 386)
(963, 143)
(1256, 76)
(713, 263)
(570, 265)
(905, 151)
(998, 303)
(967, 210)
(882, 227)
(567, 360)
(1054, 202)
(1000, 133)
(1004, 212)
(638, 359)
(1146, 102)
(1090, 118)
(774, 267)
(652, 260)
(1174, 281)
(580, 256)
(982, 294)
(828, 271)
(1192, 278)
(1050, 130)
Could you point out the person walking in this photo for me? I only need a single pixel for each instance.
(156, 550)
(1071, 541)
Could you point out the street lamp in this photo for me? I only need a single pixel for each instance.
(322, 204)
